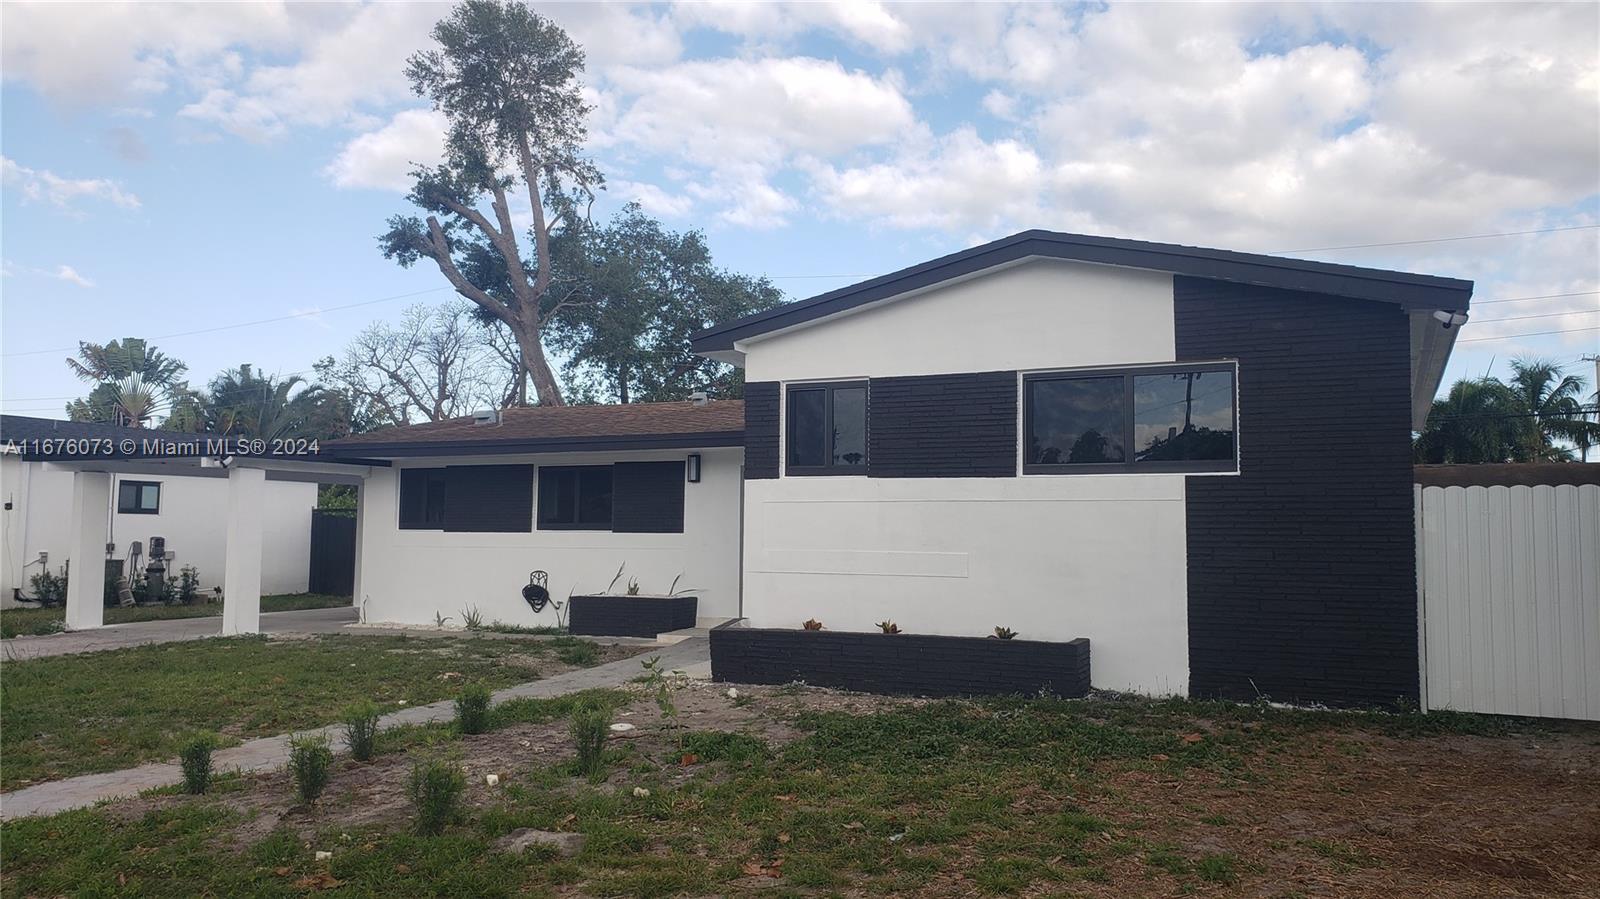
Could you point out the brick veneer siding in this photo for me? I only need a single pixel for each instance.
(912, 664)
(761, 403)
(1302, 569)
(943, 426)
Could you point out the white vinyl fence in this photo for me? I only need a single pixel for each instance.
(1509, 584)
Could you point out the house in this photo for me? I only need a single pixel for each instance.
(186, 510)
(1197, 459)
(1195, 462)
(455, 516)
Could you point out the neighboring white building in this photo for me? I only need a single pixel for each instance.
(462, 512)
(188, 511)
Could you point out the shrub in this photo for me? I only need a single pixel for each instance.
(1004, 633)
(472, 619)
(472, 709)
(49, 589)
(436, 788)
(188, 585)
(590, 726)
(361, 729)
(310, 759)
(812, 624)
(195, 759)
(889, 627)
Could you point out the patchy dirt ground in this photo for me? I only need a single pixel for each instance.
(1333, 812)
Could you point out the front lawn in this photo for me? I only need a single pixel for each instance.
(34, 622)
(793, 791)
(76, 714)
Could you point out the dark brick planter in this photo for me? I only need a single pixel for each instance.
(915, 664)
(630, 616)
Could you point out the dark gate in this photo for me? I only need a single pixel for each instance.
(333, 552)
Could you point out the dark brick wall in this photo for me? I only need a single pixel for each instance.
(913, 664)
(647, 497)
(630, 616)
(761, 429)
(1302, 569)
(943, 426)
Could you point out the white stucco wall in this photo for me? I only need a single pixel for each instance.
(408, 576)
(1051, 556)
(192, 519)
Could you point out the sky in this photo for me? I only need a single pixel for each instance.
(177, 172)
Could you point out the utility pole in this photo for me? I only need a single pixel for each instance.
(1596, 360)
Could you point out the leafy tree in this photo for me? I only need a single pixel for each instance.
(434, 364)
(506, 79)
(133, 381)
(1480, 420)
(636, 291)
(1554, 398)
(245, 403)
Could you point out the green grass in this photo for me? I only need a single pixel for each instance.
(76, 714)
(887, 803)
(32, 622)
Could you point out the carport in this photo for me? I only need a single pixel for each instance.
(247, 464)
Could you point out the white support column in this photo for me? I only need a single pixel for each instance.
(241, 577)
(91, 518)
(361, 526)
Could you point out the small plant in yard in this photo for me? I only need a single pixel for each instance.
(811, 624)
(633, 586)
(440, 620)
(472, 709)
(188, 585)
(195, 759)
(1216, 868)
(889, 627)
(580, 653)
(361, 729)
(472, 619)
(1004, 633)
(310, 761)
(49, 589)
(436, 788)
(660, 687)
(589, 728)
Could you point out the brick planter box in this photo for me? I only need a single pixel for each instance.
(914, 664)
(630, 616)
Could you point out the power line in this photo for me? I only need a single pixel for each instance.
(1534, 334)
(1409, 243)
(1581, 410)
(1543, 296)
(261, 321)
(1517, 318)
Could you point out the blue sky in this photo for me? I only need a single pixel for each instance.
(174, 169)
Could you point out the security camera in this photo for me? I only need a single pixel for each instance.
(1448, 319)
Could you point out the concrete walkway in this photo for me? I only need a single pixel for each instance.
(140, 633)
(691, 656)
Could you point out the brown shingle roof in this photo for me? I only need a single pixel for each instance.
(561, 428)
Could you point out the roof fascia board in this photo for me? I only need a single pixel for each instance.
(514, 446)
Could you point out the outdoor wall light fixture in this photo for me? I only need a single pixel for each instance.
(692, 469)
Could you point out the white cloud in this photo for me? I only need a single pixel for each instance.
(45, 185)
(653, 199)
(70, 275)
(383, 159)
(864, 22)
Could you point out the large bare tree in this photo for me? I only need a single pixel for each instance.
(433, 364)
(506, 79)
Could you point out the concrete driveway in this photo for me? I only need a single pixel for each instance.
(139, 633)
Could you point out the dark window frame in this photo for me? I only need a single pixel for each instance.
(428, 476)
(543, 524)
(828, 468)
(1131, 465)
(136, 509)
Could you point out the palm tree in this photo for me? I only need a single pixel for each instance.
(1554, 399)
(132, 380)
(246, 403)
(1480, 420)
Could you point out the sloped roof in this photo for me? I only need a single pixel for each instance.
(1409, 290)
(531, 429)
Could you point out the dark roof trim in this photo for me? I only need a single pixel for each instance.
(518, 446)
(1408, 290)
(1507, 474)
